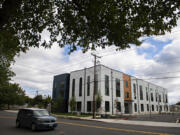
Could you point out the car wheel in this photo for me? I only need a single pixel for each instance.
(17, 124)
(33, 127)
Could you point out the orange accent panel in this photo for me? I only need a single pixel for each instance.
(128, 89)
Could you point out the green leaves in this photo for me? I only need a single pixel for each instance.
(85, 24)
(88, 23)
(11, 94)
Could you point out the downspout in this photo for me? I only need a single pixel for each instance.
(84, 89)
(112, 91)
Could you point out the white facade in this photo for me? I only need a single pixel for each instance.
(83, 92)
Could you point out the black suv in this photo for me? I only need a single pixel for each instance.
(35, 119)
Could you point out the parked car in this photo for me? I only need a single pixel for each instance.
(35, 119)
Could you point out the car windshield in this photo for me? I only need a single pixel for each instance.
(41, 113)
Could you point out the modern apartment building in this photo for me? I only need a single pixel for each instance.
(121, 93)
(61, 88)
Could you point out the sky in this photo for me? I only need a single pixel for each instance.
(157, 60)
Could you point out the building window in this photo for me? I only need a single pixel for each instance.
(152, 107)
(107, 106)
(126, 83)
(135, 107)
(88, 106)
(88, 86)
(152, 98)
(80, 87)
(147, 107)
(127, 95)
(166, 98)
(142, 107)
(159, 98)
(147, 96)
(118, 92)
(118, 106)
(106, 85)
(160, 108)
(134, 89)
(156, 96)
(79, 106)
(141, 92)
(73, 88)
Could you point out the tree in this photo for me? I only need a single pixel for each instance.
(46, 101)
(72, 103)
(57, 105)
(38, 100)
(11, 94)
(86, 23)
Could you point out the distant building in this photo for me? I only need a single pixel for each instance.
(121, 93)
(61, 87)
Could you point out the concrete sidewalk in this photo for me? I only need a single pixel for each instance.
(142, 123)
(119, 121)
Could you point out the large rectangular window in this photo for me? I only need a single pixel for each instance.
(147, 95)
(79, 106)
(134, 89)
(118, 106)
(107, 106)
(166, 98)
(156, 97)
(118, 92)
(126, 83)
(152, 107)
(73, 88)
(152, 98)
(106, 85)
(88, 86)
(141, 92)
(80, 87)
(88, 106)
(159, 98)
(142, 107)
(135, 107)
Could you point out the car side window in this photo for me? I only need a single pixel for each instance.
(29, 113)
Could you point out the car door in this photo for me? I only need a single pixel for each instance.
(29, 117)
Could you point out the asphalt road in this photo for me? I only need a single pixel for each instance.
(81, 127)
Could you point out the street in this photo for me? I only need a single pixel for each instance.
(81, 127)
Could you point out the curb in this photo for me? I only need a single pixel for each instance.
(71, 117)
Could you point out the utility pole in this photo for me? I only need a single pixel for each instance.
(95, 81)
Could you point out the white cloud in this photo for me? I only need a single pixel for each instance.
(36, 68)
